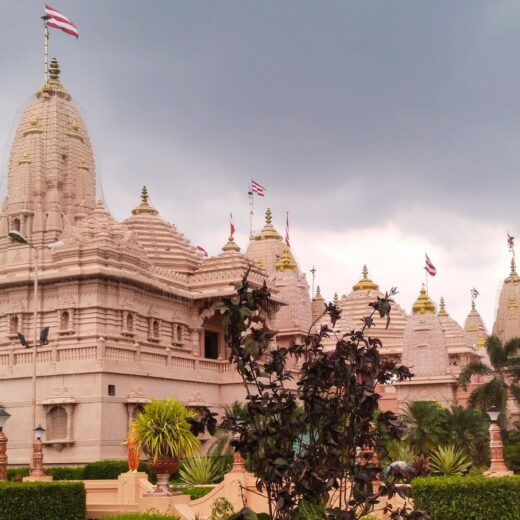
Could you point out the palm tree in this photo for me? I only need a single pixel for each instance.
(425, 425)
(505, 372)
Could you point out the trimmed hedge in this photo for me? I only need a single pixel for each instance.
(64, 473)
(109, 469)
(142, 516)
(42, 501)
(471, 498)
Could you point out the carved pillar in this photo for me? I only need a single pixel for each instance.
(3, 456)
(498, 467)
(37, 465)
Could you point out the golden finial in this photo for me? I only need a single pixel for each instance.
(286, 263)
(144, 207)
(423, 304)
(318, 292)
(54, 70)
(365, 284)
(231, 245)
(442, 308)
(268, 231)
(335, 300)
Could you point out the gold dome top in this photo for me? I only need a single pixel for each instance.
(268, 231)
(442, 308)
(231, 245)
(423, 304)
(144, 207)
(53, 85)
(286, 263)
(365, 283)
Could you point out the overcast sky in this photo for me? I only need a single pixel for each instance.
(386, 128)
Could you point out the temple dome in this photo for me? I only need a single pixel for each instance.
(423, 304)
(269, 251)
(51, 172)
(161, 241)
(472, 326)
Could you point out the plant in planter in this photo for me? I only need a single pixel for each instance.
(164, 433)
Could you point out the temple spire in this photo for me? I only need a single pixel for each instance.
(423, 304)
(268, 231)
(365, 284)
(442, 308)
(231, 245)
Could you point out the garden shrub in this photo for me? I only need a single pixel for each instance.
(109, 469)
(194, 493)
(142, 516)
(17, 474)
(471, 498)
(42, 501)
(66, 473)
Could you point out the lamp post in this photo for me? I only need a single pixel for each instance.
(496, 447)
(37, 465)
(3, 445)
(18, 237)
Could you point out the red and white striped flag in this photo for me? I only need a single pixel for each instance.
(257, 188)
(287, 230)
(232, 228)
(202, 250)
(510, 241)
(474, 293)
(59, 21)
(430, 268)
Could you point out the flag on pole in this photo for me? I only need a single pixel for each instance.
(430, 268)
(202, 250)
(510, 241)
(257, 188)
(287, 230)
(232, 228)
(59, 21)
(474, 293)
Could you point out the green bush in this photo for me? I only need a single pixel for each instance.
(42, 501)
(471, 498)
(195, 493)
(109, 469)
(142, 516)
(17, 474)
(65, 473)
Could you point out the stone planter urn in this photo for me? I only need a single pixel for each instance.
(163, 468)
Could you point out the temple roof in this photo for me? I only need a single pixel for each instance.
(507, 322)
(161, 241)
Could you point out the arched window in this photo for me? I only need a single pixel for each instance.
(16, 225)
(13, 324)
(57, 423)
(138, 410)
(64, 320)
(129, 322)
(155, 329)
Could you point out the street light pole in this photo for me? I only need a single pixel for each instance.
(35, 335)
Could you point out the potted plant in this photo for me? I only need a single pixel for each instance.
(163, 433)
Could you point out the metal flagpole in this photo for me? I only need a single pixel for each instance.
(313, 271)
(46, 47)
(251, 210)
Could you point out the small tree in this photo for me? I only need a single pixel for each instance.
(312, 438)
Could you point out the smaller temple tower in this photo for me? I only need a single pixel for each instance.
(425, 352)
(507, 322)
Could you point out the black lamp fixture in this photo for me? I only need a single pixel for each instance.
(38, 432)
(493, 413)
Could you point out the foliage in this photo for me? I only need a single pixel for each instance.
(109, 469)
(468, 498)
(142, 516)
(17, 474)
(425, 425)
(309, 511)
(194, 492)
(42, 500)
(449, 461)
(400, 450)
(203, 470)
(221, 509)
(66, 473)
(221, 445)
(302, 438)
(163, 430)
(505, 364)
